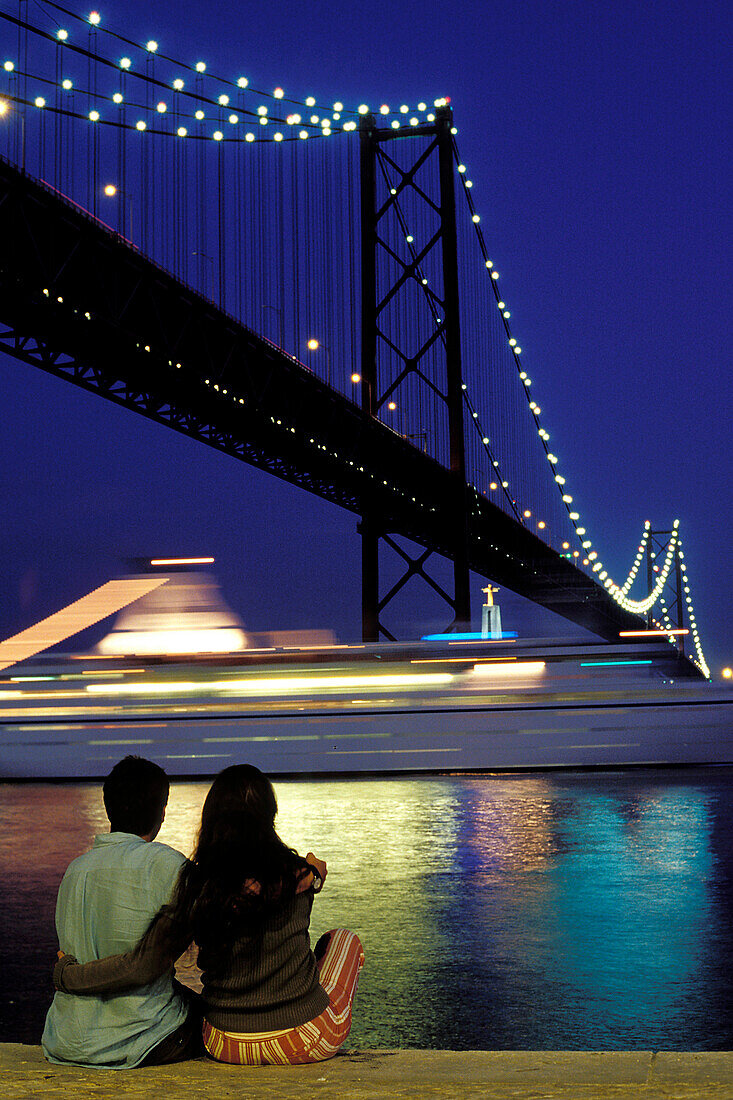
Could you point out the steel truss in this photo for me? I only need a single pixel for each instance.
(375, 340)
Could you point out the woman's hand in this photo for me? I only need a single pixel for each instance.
(319, 864)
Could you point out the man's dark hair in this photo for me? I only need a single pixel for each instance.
(135, 795)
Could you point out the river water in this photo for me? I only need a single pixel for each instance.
(544, 911)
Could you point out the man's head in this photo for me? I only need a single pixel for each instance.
(135, 797)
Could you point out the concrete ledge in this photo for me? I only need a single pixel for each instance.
(363, 1075)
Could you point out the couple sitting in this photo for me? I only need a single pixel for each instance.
(245, 898)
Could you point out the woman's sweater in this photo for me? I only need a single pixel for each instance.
(267, 982)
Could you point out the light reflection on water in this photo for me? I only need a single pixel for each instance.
(546, 911)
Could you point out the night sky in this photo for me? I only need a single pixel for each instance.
(596, 136)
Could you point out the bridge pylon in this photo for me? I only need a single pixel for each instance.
(387, 359)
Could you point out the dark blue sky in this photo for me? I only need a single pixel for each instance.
(596, 136)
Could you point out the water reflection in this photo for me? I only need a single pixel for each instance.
(544, 911)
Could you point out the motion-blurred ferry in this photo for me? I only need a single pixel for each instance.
(454, 703)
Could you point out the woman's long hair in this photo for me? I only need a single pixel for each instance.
(241, 873)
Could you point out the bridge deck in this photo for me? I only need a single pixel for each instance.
(79, 302)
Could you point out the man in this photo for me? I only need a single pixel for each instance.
(106, 901)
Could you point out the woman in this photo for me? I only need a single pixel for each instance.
(245, 898)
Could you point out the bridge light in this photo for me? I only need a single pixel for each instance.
(178, 84)
(263, 120)
(727, 673)
(278, 93)
(125, 63)
(476, 218)
(485, 439)
(224, 100)
(384, 109)
(182, 131)
(314, 344)
(277, 136)
(110, 190)
(62, 35)
(542, 525)
(391, 406)
(233, 119)
(395, 124)
(493, 486)
(140, 125)
(303, 134)
(249, 136)
(117, 97)
(242, 82)
(506, 313)
(200, 66)
(94, 116)
(199, 115)
(217, 135)
(355, 377)
(310, 101)
(512, 343)
(414, 122)
(527, 513)
(39, 102)
(8, 66)
(262, 110)
(151, 46)
(95, 18)
(162, 108)
(67, 84)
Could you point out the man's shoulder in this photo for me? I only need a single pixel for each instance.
(164, 855)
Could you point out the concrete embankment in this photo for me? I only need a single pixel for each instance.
(383, 1075)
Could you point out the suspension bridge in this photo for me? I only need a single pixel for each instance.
(308, 288)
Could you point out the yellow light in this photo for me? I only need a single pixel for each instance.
(313, 344)
(151, 46)
(493, 486)
(95, 18)
(542, 525)
(125, 62)
(391, 406)
(182, 561)
(516, 669)
(39, 101)
(727, 673)
(277, 685)
(527, 513)
(62, 35)
(3, 107)
(110, 190)
(649, 633)
(356, 377)
(278, 93)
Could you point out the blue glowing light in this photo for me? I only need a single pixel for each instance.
(477, 637)
(589, 664)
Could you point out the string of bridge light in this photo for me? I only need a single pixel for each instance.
(224, 392)
(618, 592)
(310, 127)
(410, 115)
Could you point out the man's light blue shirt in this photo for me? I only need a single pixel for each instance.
(106, 900)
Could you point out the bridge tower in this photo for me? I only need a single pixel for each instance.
(384, 275)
